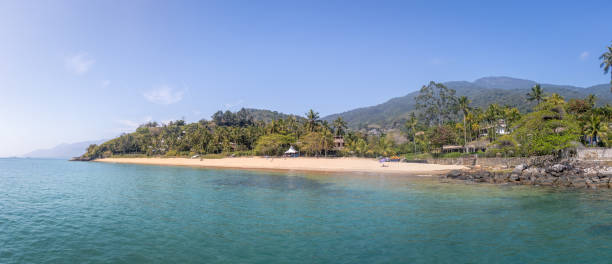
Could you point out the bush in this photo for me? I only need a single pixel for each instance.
(504, 146)
(452, 155)
(538, 134)
(243, 153)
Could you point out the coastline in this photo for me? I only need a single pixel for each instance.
(295, 164)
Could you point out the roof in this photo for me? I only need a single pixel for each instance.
(478, 144)
(291, 150)
(445, 147)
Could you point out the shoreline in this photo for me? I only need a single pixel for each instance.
(561, 173)
(304, 164)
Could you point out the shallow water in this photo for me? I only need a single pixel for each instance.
(54, 211)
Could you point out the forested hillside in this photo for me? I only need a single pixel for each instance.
(500, 90)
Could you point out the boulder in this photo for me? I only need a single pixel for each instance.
(454, 174)
(557, 168)
(514, 177)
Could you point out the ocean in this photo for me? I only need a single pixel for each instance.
(55, 211)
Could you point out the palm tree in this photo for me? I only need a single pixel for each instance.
(590, 100)
(492, 115)
(594, 128)
(606, 63)
(464, 106)
(312, 120)
(326, 141)
(536, 94)
(411, 125)
(339, 126)
(555, 99)
(511, 115)
(385, 146)
(477, 118)
(361, 146)
(292, 126)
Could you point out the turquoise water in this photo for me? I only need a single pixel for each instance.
(54, 211)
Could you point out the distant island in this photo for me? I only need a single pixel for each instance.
(62, 151)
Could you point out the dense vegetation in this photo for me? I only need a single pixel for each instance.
(438, 117)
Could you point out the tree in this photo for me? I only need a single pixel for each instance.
(339, 126)
(360, 146)
(492, 116)
(312, 120)
(218, 118)
(606, 63)
(536, 94)
(315, 143)
(464, 106)
(327, 139)
(545, 132)
(590, 100)
(442, 135)
(554, 102)
(511, 115)
(436, 102)
(411, 126)
(594, 129)
(384, 146)
(578, 106)
(273, 144)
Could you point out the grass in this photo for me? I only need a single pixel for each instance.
(419, 156)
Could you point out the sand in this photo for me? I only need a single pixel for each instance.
(296, 164)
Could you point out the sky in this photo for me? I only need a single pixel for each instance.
(74, 71)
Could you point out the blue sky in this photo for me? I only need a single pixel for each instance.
(84, 70)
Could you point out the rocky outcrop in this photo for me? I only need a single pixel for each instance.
(492, 162)
(568, 173)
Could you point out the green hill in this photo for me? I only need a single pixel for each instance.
(482, 92)
(268, 115)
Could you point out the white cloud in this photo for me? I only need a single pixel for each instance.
(584, 55)
(106, 83)
(164, 95)
(79, 63)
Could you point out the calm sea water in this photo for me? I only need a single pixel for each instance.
(54, 211)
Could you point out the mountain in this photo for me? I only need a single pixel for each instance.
(63, 151)
(482, 92)
(504, 83)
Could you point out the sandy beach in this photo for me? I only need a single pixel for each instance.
(297, 164)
